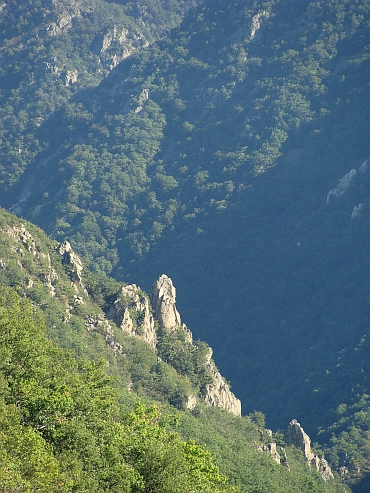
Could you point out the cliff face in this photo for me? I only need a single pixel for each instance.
(218, 394)
(295, 435)
(131, 312)
(71, 261)
(163, 299)
(47, 274)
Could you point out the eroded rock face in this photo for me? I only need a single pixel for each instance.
(163, 300)
(71, 260)
(190, 402)
(131, 312)
(271, 449)
(256, 23)
(295, 435)
(23, 236)
(48, 276)
(218, 394)
(67, 11)
(101, 325)
(342, 186)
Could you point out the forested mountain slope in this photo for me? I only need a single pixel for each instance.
(222, 155)
(102, 408)
(52, 49)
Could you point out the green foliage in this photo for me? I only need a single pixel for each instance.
(67, 426)
(209, 156)
(63, 415)
(26, 460)
(188, 359)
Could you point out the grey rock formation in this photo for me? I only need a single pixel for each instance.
(271, 449)
(116, 45)
(295, 435)
(22, 235)
(364, 167)
(51, 275)
(131, 312)
(342, 186)
(67, 11)
(356, 212)
(71, 260)
(71, 77)
(163, 300)
(48, 276)
(218, 394)
(190, 402)
(256, 23)
(101, 325)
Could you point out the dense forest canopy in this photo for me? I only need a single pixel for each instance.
(224, 143)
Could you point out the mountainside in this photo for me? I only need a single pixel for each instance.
(229, 152)
(70, 301)
(67, 426)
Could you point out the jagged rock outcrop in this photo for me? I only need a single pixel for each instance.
(346, 181)
(272, 450)
(131, 312)
(256, 23)
(101, 325)
(163, 300)
(356, 211)
(22, 235)
(67, 10)
(71, 260)
(218, 394)
(295, 435)
(47, 275)
(342, 186)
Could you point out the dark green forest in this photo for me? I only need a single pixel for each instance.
(226, 145)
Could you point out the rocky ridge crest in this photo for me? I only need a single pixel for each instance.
(131, 312)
